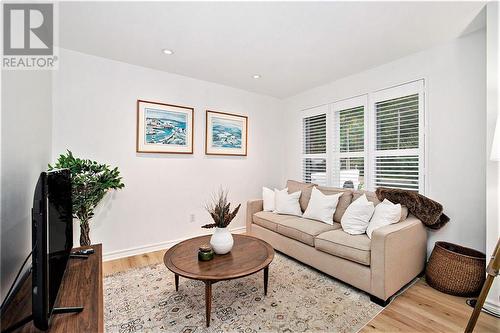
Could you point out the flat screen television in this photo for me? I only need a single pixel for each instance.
(52, 240)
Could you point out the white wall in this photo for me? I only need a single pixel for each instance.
(26, 133)
(455, 80)
(492, 167)
(95, 117)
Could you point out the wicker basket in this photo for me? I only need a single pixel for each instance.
(456, 270)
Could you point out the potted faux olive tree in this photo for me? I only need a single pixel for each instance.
(90, 181)
(220, 211)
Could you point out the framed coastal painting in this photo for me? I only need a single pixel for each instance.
(226, 134)
(164, 128)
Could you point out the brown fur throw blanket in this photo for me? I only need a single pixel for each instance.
(428, 211)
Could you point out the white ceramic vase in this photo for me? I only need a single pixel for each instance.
(221, 241)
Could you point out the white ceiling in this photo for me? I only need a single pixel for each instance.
(294, 46)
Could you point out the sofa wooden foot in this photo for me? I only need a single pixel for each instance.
(379, 301)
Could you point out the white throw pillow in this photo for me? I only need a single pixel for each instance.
(357, 216)
(321, 207)
(287, 203)
(385, 213)
(268, 198)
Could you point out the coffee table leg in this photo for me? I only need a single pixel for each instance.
(176, 282)
(266, 278)
(208, 301)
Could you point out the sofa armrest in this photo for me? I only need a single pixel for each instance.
(398, 255)
(253, 206)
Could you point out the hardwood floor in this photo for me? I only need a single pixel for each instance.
(124, 264)
(418, 309)
(424, 309)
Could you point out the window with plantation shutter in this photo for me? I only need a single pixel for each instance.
(314, 148)
(397, 123)
(398, 158)
(348, 163)
(314, 170)
(351, 132)
(369, 141)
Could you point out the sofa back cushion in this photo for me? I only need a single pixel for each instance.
(404, 213)
(305, 190)
(344, 201)
(371, 196)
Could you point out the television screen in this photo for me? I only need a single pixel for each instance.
(52, 236)
(60, 229)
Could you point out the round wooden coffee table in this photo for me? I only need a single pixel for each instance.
(248, 256)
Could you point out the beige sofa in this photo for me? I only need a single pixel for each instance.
(379, 266)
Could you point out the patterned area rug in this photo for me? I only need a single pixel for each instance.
(299, 299)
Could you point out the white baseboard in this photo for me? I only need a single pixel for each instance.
(153, 247)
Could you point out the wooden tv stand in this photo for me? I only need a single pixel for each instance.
(81, 286)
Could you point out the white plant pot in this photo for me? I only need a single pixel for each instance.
(222, 241)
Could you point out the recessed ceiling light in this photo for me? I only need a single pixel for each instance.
(256, 76)
(167, 51)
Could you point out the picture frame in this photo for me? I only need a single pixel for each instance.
(164, 128)
(226, 134)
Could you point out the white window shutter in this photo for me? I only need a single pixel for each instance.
(314, 171)
(369, 141)
(397, 123)
(351, 130)
(314, 149)
(349, 127)
(397, 148)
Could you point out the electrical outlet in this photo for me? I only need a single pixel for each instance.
(192, 218)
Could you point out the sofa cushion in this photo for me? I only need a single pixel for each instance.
(371, 196)
(339, 243)
(344, 201)
(303, 230)
(305, 188)
(269, 220)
